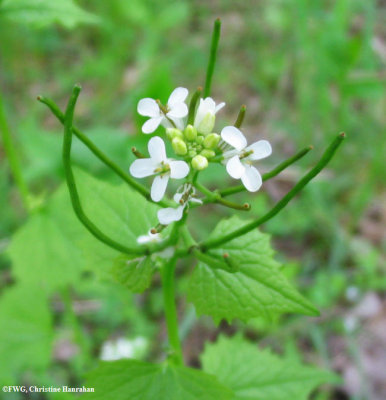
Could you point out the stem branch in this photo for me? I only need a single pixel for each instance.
(276, 171)
(212, 57)
(168, 289)
(328, 154)
(99, 154)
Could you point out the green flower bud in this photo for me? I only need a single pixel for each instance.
(192, 153)
(199, 162)
(190, 132)
(200, 139)
(208, 153)
(171, 133)
(207, 123)
(179, 146)
(211, 141)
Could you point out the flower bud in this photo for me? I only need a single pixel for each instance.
(211, 141)
(190, 132)
(171, 133)
(179, 146)
(192, 153)
(200, 139)
(207, 123)
(208, 153)
(199, 162)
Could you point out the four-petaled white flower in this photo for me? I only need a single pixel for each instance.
(149, 238)
(161, 166)
(168, 215)
(239, 160)
(205, 115)
(174, 111)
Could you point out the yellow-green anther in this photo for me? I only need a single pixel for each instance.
(171, 133)
(190, 133)
(179, 146)
(211, 141)
(192, 153)
(200, 139)
(208, 153)
(206, 125)
(199, 162)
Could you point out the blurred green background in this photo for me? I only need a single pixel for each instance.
(306, 70)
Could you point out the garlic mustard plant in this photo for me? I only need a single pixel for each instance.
(235, 274)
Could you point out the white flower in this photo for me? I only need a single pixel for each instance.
(239, 160)
(176, 110)
(168, 215)
(205, 115)
(149, 238)
(158, 164)
(123, 348)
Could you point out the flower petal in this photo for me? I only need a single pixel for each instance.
(177, 197)
(179, 110)
(178, 169)
(178, 95)
(251, 179)
(156, 148)
(142, 167)
(234, 137)
(219, 107)
(143, 239)
(168, 215)
(261, 149)
(180, 123)
(235, 168)
(152, 124)
(205, 106)
(158, 188)
(148, 107)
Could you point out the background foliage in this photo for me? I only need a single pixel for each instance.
(306, 70)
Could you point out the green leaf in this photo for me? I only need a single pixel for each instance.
(257, 289)
(136, 380)
(26, 334)
(255, 374)
(53, 248)
(40, 13)
(135, 274)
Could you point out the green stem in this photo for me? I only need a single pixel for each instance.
(192, 105)
(276, 171)
(187, 237)
(240, 117)
(99, 154)
(13, 159)
(168, 289)
(74, 195)
(328, 154)
(215, 197)
(212, 57)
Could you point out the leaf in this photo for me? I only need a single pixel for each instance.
(257, 289)
(26, 334)
(40, 13)
(136, 380)
(135, 274)
(53, 248)
(255, 374)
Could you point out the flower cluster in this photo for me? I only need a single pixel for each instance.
(197, 144)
